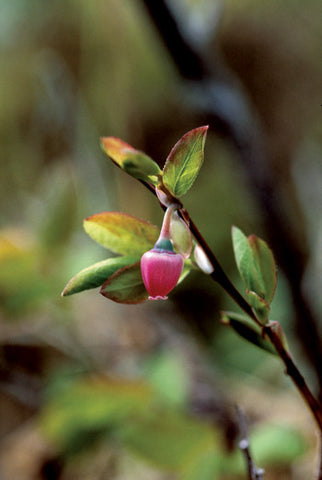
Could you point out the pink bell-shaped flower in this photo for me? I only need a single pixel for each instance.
(161, 270)
(161, 267)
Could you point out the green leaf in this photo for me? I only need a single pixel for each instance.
(27, 274)
(134, 162)
(95, 275)
(245, 262)
(89, 406)
(274, 444)
(121, 233)
(247, 329)
(264, 259)
(132, 414)
(169, 377)
(260, 306)
(255, 263)
(169, 439)
(184, 161)
(126, 286)
(209, 464)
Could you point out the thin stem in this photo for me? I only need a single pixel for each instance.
(254, 473)
(291, 369)
(220, 277)
(293, 372)
(236, 121)
(165, 229)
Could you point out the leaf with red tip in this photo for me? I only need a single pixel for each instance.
(121, 233)
(184, 161)
(259, 305)
(134, 162)
(126, 286)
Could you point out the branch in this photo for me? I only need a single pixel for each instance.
(218, 275)
(254, 473)
(291, 369)
(216, 95)
(222, 279)
(296, 376)
(187, 61)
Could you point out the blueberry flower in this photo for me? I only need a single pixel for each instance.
(161, 267)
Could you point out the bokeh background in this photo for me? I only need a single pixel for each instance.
(90, 389)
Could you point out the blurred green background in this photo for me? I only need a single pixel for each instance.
(90, 389)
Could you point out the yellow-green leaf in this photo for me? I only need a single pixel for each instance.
(96, 275)
(121, 233)
(90, 405)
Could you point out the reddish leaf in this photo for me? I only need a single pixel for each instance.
(133, 161)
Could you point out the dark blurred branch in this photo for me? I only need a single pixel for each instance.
(215, 95)
(254, 473)
(23, 388)
(189, 64)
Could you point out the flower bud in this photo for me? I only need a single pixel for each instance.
(161, 269)
(202, 260)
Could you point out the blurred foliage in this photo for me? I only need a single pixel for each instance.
(134, 415)
(72, 72)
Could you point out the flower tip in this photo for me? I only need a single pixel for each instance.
(158, 297)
